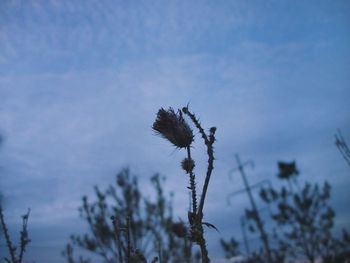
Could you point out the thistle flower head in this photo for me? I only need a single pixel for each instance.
(173, 127)
(187, 165)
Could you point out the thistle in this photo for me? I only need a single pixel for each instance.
(173, 127)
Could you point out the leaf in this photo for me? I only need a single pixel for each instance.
(210, 226)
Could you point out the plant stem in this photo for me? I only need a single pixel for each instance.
(207, 178)
(10, 248)
(204, 250)
(192, 184)
(24, 236)
(208, 141)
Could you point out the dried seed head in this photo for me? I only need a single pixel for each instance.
(287, 170)
(173, 127)
(179, 229)
(187, 165)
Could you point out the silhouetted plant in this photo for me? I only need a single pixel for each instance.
(304, 222)
(24, 239)
(125, 226)
(230, 247)
(172, 126)
(303, 216)
(339, 249)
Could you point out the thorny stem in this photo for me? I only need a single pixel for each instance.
(192, 184)
(196, 123)
(199, 215)
(204, 250)
(210, 151)
(11, 249)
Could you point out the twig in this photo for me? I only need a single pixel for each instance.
(24, 236)
(9, 245)
(24, 240)
(196, 123)
(342, 146)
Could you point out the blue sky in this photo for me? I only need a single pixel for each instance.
(81, 82)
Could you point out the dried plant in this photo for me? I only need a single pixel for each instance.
(24, 239)
(305, 220)
(173, 127)
(302, 222)
(230, 247)
(125, 226)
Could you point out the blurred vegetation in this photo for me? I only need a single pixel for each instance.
(303, 222)
(126, 226)
(15, 254)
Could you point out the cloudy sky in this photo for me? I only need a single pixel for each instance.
(81, 82)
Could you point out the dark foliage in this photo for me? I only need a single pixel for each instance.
(302, 223)
(287, 170)
(304, 219)
(126, 226)
(230, 247)
(23, 243)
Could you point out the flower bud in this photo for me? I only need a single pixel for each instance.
(187, 165)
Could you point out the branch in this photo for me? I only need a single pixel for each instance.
(24, 236)
(343, 147)
(9, 245)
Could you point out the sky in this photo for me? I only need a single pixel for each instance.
(81, 83)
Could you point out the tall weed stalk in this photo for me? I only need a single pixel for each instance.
(172, 126)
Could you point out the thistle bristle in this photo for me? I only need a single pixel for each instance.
(173, 127)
